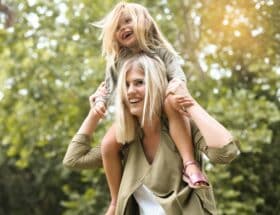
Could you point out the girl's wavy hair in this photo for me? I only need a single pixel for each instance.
(155, 86)
(145, 28)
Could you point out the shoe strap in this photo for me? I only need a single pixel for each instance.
(188, 163)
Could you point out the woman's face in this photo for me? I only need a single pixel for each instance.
(124, 33)
(135, 91)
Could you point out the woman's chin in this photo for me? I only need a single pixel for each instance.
(137, 113)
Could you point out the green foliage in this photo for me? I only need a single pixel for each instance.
(51, 62)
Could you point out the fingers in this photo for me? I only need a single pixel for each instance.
(99, 95)
(97, 100)
(102, 89)
(183, 101)
(100, 109)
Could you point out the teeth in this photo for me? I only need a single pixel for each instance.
(134, 100)
(126, 34)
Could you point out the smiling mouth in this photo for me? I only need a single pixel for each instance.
(134, 101)
(126, 34)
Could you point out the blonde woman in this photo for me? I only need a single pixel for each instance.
(151, 182)
(128, 30)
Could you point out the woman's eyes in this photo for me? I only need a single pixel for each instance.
(139, 82)
(135, 83)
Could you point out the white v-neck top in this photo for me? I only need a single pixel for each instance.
(146, 202)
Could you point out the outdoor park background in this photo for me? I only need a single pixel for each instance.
(50, 62)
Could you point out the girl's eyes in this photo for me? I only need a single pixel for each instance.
(124, 21)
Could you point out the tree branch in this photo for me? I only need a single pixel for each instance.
(10, 17)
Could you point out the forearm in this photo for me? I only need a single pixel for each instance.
(89, 124)
(214, 133)
(79, 154)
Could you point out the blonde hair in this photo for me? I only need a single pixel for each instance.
(155, 86)
(146, 30)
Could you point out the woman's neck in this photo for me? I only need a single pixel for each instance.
(150, 128)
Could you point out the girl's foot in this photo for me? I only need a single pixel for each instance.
(193, 175)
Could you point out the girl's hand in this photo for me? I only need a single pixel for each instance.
(97, 101)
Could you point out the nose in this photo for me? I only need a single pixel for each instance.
(123, 26)
(130, 89)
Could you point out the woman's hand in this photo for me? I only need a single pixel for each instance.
(181, 96)
(97, 101)
(185, 102)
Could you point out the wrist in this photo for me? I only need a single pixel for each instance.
(100, 99)
(193, 106)
(92, 114)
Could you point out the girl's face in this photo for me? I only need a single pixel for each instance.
(135, 91)
(124, 32)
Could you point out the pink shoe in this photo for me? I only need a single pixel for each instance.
(194, 178)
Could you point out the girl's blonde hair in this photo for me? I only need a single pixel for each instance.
(155, 86)
(145, 28)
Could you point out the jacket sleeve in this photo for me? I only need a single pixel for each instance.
(80, 155)
(222, 155)
(173, 65)
(110, 83)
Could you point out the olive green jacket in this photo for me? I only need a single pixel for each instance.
(163, 177)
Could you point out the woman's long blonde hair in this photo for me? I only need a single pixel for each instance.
(146, 30)
(155, 87)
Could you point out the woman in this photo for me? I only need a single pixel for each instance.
(151, 181)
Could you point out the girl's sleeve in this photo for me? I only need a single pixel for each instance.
(110, 83)
(173, 65)
(80, 155)
(222, 155)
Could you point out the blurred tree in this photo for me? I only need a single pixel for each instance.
(8, 13)
(237, 46)
(49, 66)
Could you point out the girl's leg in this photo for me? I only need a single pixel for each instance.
(180, 131)
(110, 149)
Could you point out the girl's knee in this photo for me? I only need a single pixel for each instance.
(109, 144)
(168, 102)
(169, 105)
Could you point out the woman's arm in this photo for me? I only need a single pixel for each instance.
(79, 154)
(221, 155)
(215, 140)
(215, 134)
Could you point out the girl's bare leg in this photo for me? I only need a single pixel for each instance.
(180, 131)
(110, 149)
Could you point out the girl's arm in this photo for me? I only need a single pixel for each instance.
(173, 64)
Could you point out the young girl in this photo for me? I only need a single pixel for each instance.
(127, 30)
